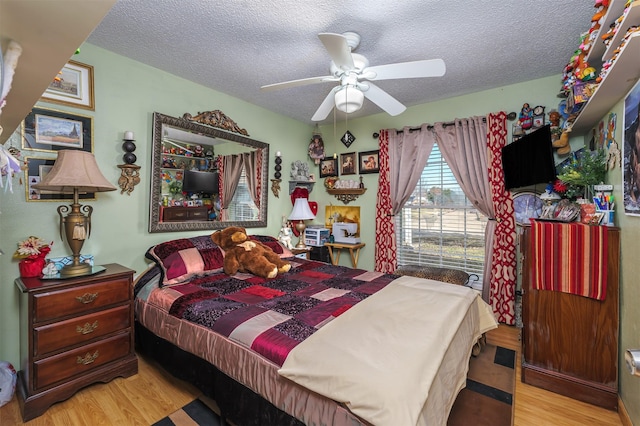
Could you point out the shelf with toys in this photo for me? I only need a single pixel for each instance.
(602, 25)
(177, 158)
(590, 97)
(629, 17)
(620, 78)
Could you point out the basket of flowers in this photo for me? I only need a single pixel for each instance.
(32, 253)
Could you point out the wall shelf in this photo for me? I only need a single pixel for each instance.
(347, 195)
(293, 184)
(631, 18)
(615, 10)
(623, 74)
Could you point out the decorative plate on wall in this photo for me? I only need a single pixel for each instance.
(526, 205)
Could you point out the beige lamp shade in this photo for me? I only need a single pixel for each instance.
(75, 169)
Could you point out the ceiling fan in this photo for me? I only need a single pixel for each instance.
(350, 69)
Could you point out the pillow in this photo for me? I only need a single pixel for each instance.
(184, 258)
(447, 275)
(273, 244)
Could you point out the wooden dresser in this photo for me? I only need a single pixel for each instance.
(570, 342)
(74, 332)
(185, 214)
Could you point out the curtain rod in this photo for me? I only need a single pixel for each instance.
(510, 116)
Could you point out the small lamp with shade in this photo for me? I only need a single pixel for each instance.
(301, 212)
(75, 172)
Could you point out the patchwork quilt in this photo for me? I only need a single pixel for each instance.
(270, 316)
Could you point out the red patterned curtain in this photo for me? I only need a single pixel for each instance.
(385, 250)
(503, 255)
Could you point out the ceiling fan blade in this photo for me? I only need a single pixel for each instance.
(415, 69)
(296, 83)
(383, 100)
(325, 107)
(339, 50)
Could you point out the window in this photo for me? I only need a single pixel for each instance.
(242, 206)
(438, 226)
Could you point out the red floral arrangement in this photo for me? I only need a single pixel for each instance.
(560, 187)
(32, 253)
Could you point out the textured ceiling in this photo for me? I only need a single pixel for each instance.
(237, 46)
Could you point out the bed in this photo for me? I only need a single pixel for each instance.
(320, 344)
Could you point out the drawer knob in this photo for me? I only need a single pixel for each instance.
(87, 359)
(87, 328)
(87, 298)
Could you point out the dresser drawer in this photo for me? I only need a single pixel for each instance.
(80, 361)
(79, 299)
(52, 337)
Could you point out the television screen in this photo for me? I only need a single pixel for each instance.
(200, 182)
(529, 160)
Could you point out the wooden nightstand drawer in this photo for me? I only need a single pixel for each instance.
(81, 360)
(80, 299)
(56, 336)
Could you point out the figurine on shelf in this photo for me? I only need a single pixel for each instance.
(299, 171)
(526, 117)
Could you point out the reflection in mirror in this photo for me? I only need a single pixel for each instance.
(204, 178)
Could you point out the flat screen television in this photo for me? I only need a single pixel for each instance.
(529, 160)
(194, 181)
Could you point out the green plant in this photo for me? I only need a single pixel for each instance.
(578, 176)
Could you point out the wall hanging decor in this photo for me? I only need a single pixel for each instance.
(130, 173)
(50, 130)
(368, 162)
(73, 86)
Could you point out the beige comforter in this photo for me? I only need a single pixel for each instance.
(385, 375)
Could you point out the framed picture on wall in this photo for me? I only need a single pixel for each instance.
(73, 86)
(36, 171)
(348, 163)
(368, 161)
(51, 130)
(630, 163)
(328, 167)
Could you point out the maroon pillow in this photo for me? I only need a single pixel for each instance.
(273, 244)
(184, 258)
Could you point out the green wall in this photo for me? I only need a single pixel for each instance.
(128, 92)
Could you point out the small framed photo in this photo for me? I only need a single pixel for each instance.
(73, 86)
(348, 163)
(368, 161)
(50, 130)
(36, 171)
(328, 167)
(538, 120)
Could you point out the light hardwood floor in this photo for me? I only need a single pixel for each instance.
(153, 394)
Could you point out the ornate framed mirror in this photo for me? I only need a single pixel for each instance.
(192, 167)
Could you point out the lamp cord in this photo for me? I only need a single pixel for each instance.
(335, 143)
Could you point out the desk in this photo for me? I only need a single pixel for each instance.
(354, 250)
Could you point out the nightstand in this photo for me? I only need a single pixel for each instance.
(298, 251)
(73, 333)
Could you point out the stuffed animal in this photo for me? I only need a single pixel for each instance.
(245, 255)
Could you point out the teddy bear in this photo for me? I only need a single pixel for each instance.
(245, 255)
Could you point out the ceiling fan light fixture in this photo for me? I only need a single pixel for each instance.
(349, 99)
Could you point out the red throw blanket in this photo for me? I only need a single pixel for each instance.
(569, 257)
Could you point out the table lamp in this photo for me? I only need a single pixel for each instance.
(74, 172)
(301, 212)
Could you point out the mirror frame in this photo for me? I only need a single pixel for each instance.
(155, 225)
